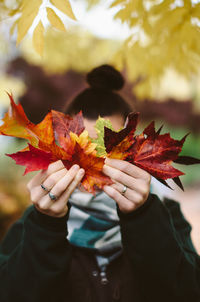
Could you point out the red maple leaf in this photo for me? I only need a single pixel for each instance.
(63, 124)
(150, 151)
(113, 139)
(155, 153)
(93, 166)
(34, 159)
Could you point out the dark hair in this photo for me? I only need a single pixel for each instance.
(100, 98)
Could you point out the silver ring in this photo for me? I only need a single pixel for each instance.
(44, 188)
(124, 190)
(52, 196)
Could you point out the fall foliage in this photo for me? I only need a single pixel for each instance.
(61, 137)
(163, 34)
(32, 11)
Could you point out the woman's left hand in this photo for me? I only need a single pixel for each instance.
(129, 178)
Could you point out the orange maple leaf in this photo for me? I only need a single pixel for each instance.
(17, 124)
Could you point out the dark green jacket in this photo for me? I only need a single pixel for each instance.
(159, 263)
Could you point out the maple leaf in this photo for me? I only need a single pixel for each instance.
(118, 143)
(154, 153)
(18, 125)
(150, 151)
(93, 169)
(84, 141)
(112, 138)
(63, 124)
(34, 159)
(85, 155)
(81, 150)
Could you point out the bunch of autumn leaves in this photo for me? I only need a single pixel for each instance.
(61, 137)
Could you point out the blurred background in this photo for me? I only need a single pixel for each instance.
(47, 47)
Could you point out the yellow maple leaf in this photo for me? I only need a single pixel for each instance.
(84, 142)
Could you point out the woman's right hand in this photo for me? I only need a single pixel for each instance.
(60, 182)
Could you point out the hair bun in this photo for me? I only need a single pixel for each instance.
(105, 77)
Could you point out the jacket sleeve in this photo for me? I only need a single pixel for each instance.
(34, 259)
(156, 240)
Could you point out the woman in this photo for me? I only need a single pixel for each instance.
(122, 245)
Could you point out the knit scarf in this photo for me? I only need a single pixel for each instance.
(94, 224)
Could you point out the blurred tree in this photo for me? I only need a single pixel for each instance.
(76, 49)
(165, 34)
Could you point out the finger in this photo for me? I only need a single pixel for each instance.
(124, 204)
(131, 195)
(60, 186)
(128, 168)
(61, 203)
(66, 180)
(37, 192)
(120, 177)
(42, 175)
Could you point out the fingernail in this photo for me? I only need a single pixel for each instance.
(108, 161)
(81, 172)
(75, 167)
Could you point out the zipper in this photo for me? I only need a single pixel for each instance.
(103, 275)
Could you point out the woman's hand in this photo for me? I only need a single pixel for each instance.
(129, 178)
(58, 183)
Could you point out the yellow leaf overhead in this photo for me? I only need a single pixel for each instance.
(29, 12)
(38, 38)
(54, 19)
(65, 7)
(165, 35)
(92, 3)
